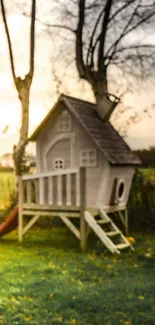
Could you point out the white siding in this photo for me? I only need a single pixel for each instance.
(122, 173)
(93, 174)
(61, 149)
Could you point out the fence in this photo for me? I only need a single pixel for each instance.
(7, 193)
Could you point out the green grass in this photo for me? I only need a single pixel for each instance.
(47, 281)
(4, 176)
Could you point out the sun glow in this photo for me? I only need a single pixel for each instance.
(9, 119)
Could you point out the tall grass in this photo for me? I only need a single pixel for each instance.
(6, 190)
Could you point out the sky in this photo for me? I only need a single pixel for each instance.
(43, 96)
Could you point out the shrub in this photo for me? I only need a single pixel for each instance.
(141, 204)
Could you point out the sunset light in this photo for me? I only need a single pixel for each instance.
(9, 118)
(77, 162)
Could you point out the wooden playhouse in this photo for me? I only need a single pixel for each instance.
(84, 170)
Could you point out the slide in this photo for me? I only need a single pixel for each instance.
(10, 223)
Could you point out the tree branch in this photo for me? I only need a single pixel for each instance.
(92, 37)
(126, 31)
(9, 41)
(79, 42)
(135, 47)
(121, 9)
(92, 5)
(32, 38)
(103, 35)
(56, 26)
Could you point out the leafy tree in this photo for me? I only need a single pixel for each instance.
(147, 156)
(22, 86)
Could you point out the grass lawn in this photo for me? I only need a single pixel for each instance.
(48, 281)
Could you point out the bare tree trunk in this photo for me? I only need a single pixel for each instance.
(99, 88)
(19, 150)
(23, 88)
(106, 103)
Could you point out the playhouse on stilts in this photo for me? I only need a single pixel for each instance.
(84, 170)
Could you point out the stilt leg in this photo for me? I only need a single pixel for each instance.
(83, 228)
(126, 221)
(20, 212)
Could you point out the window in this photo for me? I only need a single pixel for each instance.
(58, 163)
(64, 122)
(120, 191)
(88, 158)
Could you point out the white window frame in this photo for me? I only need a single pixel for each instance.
(87, 157)
(120, 198)
(61, 126)
(58, 159)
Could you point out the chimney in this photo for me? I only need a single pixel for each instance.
(107, 105)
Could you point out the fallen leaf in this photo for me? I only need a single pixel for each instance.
(141, 298)
(148, 255)
(51, 296)
(128, 322)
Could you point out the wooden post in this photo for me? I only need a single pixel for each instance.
(55, 189)
(28, 191)
(50, 191)
(20, 211)
(41, 191)
(83, 235)
(126, 221)
(64, 190)
(73, 189)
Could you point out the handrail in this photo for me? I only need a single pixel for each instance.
(48, 174)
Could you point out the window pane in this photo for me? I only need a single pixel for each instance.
(88, 158)
(91, 154)
(84, 154)
(84, 162)
(92, 162)
(58, 164)
(64, 122)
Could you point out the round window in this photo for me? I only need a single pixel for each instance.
(58, 164)
(120, 190)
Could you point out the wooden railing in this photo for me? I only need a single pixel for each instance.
(53, 188)
(62, 193)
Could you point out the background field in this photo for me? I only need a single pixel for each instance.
(6, 189)
(148, 172)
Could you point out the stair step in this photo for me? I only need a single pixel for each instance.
(113, 233)
(123, 245)
(103, 222)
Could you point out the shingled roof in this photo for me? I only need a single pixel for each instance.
(102, 133)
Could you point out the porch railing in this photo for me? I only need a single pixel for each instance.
(62, 192)
(62, 188)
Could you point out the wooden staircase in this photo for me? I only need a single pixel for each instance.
(109, 234)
